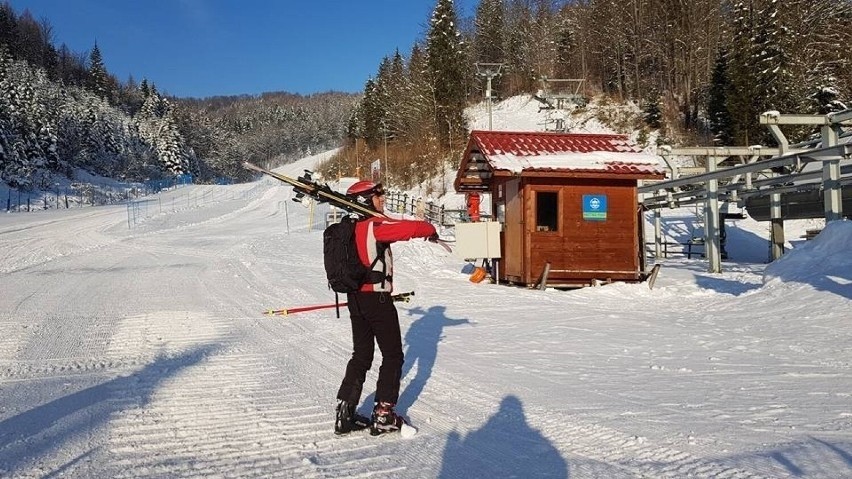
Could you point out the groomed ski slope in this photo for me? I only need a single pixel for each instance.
(137, 349)
(141, 352)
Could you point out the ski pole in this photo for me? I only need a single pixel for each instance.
(401, 297)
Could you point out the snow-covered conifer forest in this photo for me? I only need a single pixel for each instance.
(701, 70)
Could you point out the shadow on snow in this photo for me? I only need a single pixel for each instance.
(505, 446)
(32, 434)
(422, 340)
(810, 457)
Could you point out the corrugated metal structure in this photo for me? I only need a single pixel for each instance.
(568, 203)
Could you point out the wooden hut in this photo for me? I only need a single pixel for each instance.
(567, 203)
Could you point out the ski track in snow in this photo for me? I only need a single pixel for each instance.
(141, 352)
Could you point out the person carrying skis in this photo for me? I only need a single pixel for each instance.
(374, 317)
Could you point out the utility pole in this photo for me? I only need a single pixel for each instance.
(489, 71)
(385, 137)
(444, 162)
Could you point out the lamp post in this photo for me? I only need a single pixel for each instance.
(489, 71)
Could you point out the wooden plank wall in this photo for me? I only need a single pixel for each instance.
(585, 249)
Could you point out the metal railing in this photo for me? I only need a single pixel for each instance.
(402, 203)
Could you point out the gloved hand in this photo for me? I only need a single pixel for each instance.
(433, 238)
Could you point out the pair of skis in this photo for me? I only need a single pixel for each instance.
(322, 193)
(306, 186)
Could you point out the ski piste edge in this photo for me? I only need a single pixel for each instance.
(324, 194)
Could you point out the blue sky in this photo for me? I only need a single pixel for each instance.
(202, 48)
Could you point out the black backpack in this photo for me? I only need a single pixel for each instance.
(343, 268)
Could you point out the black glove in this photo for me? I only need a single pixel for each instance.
(433, 238)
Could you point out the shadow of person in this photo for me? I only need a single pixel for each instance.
(422, 340)
(25, 437)
(506, 446)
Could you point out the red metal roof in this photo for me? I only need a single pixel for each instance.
(512, 150)
(528, 143)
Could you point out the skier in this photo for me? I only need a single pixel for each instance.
(374, 317)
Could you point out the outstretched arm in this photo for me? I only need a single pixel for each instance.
(390, 231)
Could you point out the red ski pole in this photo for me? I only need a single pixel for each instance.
(300, 309)
(403, 297)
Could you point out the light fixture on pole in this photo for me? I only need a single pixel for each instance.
(489, 71)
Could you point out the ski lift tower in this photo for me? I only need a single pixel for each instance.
(489, 71)
(563, 92)
(558, 95)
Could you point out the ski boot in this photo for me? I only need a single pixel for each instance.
(347, 420)
(385, 419)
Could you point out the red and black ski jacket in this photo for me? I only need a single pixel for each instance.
(373, 237)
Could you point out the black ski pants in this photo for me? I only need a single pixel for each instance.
(374, 320)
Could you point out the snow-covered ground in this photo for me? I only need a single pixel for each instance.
(143, 352)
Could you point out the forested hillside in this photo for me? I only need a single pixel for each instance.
(61, 110)
(703, 70)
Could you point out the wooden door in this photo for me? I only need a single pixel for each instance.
(514, 232)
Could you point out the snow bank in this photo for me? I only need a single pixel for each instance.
(824, 262)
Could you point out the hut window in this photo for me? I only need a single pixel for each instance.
(547, 211)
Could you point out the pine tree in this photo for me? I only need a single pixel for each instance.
(826, 97)
(394, 82)
(355, 124)
(97, 79)
(489, 32)
(566, 44)
(419, 108)
(763, 72)
(28, 42)
(717, 104)
(21, 142)
(9, 158)
(145, 88)
(42, 122)
(8, 22)
(543, 30)
(822, 36)
(70, 69)
(169, 146)
(776, 83)
(447, 61)
(652, 113)
(742, 94)
(372, 114)
(382, 103)
(521, 76)
(489, 40)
